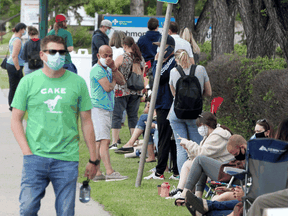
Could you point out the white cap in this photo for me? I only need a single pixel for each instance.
(106, 23)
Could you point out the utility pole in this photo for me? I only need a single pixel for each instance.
(43, 22)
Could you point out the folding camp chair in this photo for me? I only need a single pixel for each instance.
(266, 162)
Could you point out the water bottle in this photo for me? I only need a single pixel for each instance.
(85, 190)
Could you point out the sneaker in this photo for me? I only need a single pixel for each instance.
(153, 176)
(174, 177)
(175, 191)
(123, 150)
(115, 176)
(113, 146)
(153, 170)
(177, 195)
(99, 178)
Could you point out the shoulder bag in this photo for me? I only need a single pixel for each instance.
(135, 80)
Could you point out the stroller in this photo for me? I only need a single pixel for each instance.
(267, 164)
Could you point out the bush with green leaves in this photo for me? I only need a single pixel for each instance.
(81, 36)
(252, 89)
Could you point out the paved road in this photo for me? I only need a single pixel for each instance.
(11, 161)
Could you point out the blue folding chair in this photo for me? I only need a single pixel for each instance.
(267, 164)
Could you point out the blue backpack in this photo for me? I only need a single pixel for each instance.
(188, 96)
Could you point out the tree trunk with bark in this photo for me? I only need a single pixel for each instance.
(258, 27)
(159, 8)
(137, 7)
(204, 22)
(223, 23)
(278, 13)
(184, 13)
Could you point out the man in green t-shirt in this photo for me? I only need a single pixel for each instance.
(54, 99)
(59, 29)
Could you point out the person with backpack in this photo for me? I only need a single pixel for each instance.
(31, 52)
(188, 84)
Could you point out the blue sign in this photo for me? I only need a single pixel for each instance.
(169, 1)
(129, 21)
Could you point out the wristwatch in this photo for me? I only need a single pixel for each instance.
(96, 163)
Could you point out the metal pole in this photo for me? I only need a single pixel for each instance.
(43, 11)
(154, 94)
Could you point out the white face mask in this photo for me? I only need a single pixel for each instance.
(103, 61)
(203, 130)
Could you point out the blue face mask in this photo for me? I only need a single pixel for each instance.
(168, 50)
(24, 33)
(107, 32)
(55, 62)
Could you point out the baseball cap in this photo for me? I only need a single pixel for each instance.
(106, 23)
(60, 18)
(170, 41)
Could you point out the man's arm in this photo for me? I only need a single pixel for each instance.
(89, 137)
(18, 131)
(106, 85)
(117, 75)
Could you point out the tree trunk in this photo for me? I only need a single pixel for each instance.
(204, 22)
(223, 23)
(137, 7)
(184, 13)
(159, 8)
(258, 27)
(277, 11)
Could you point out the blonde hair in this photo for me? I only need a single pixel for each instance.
(115, 40)
(187, 35)
(183, 58)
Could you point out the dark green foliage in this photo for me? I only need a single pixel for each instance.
(81, 36)
(252, 89)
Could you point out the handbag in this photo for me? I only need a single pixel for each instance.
(4, 62)
(135, 80)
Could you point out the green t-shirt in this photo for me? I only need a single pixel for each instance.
(68, 39)
(53, 106)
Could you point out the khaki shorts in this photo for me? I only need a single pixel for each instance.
(102, 121)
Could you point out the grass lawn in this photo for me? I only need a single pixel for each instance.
(4, 84)
(122, 197)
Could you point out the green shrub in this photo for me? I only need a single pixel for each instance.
(81, 36)
(252, 89)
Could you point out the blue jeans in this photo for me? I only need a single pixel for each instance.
(37, 172)
(71, 67)
(220, 208)
(142, 125)
(185, 128)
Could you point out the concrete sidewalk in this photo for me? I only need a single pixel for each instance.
(11, 161)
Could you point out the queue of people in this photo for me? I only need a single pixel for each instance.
(198, 145)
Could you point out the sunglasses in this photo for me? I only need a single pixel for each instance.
(53, 52)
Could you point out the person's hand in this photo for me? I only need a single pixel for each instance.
(111, 64)
(156, 56)
(238, 193)
(91, 170)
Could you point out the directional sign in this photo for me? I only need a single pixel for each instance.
(169, 1)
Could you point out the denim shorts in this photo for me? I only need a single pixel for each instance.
(131, 104)
(102, 123)
(37, 173)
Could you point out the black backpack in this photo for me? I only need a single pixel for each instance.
(34, 60)
(188, 96)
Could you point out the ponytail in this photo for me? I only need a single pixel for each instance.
(137, 56)
(183, 58)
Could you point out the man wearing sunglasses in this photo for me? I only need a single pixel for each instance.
(59, 29)
(54, 99)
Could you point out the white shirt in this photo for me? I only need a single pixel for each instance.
(117, 52)
(182, 44)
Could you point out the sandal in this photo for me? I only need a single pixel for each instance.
(182, 201)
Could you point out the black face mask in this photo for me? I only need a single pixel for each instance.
(240, 156)
(260, 135)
